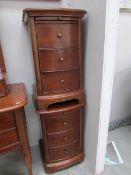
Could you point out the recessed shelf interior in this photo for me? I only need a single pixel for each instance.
(63, 104)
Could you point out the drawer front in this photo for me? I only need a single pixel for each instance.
(59, 59)
(57, 35)
(64, 151)
(7, 121)
(8, 138)
(66, 137)
(60, 81)
(62, 121)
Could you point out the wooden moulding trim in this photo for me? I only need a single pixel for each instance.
(78, 106)
(52, 167)
(57, 96)
(28, 12)
(11, 147)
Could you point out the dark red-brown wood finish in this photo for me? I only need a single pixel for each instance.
(13, 132)
(3, 85)
(56, 36)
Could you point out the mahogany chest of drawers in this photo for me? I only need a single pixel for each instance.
(56, 37)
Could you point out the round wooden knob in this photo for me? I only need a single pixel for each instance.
(65, 138)
(64, 123)
(62, 81)
(65, 151)
(61, 59)
(59, 35)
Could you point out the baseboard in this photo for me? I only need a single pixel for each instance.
(117, 124)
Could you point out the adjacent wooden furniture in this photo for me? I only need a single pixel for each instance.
(13, 131)
(59, 97)
(3, 85)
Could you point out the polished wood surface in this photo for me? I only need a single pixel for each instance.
(52, 60)
(60, 82)
(62, 120)
(56, 37)
(58, 13)
(60, 36)
(7, 120)
(57, 139)
(65, 151)
(3, 85)
(2, 63)
(15, 99)
(13, 132)
(67, 101)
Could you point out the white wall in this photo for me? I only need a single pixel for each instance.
(14, 37)
(121, 99)
(94, 37)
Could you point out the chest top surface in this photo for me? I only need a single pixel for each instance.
(15, 99)
(52, 12)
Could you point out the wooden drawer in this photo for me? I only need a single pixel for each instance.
(64, 151)
(62, 121)
(63, 138)
(60, 81)
(8, 138)
(59, 59)
(7, 121)
(57, 35)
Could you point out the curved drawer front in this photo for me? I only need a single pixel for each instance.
(60, 81)
(66, 137)
(57, 35)
(59, 59)
(8, 138)
(64, 151)
(62, 121)
(7, 121)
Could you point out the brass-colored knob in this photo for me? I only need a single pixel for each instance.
(65, 151)
(64, 123)
(61, 59)
(62, 81)
(59, 35)
(65, 138)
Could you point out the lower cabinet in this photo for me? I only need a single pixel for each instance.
(62, 136)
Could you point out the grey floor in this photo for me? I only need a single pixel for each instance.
(13, 164)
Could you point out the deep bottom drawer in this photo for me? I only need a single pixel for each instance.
(64, 151)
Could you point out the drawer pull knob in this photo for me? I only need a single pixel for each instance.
(64, 123)
(59, 35)
(61, 59)
(65, 151)
(65, 138)
(62, 81)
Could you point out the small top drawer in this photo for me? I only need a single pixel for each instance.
(59, 59)
(57, 35)
(7, 121)
(62, 121)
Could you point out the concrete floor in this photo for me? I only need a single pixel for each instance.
(13, 164)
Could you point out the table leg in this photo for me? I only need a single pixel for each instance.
(22, 132)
